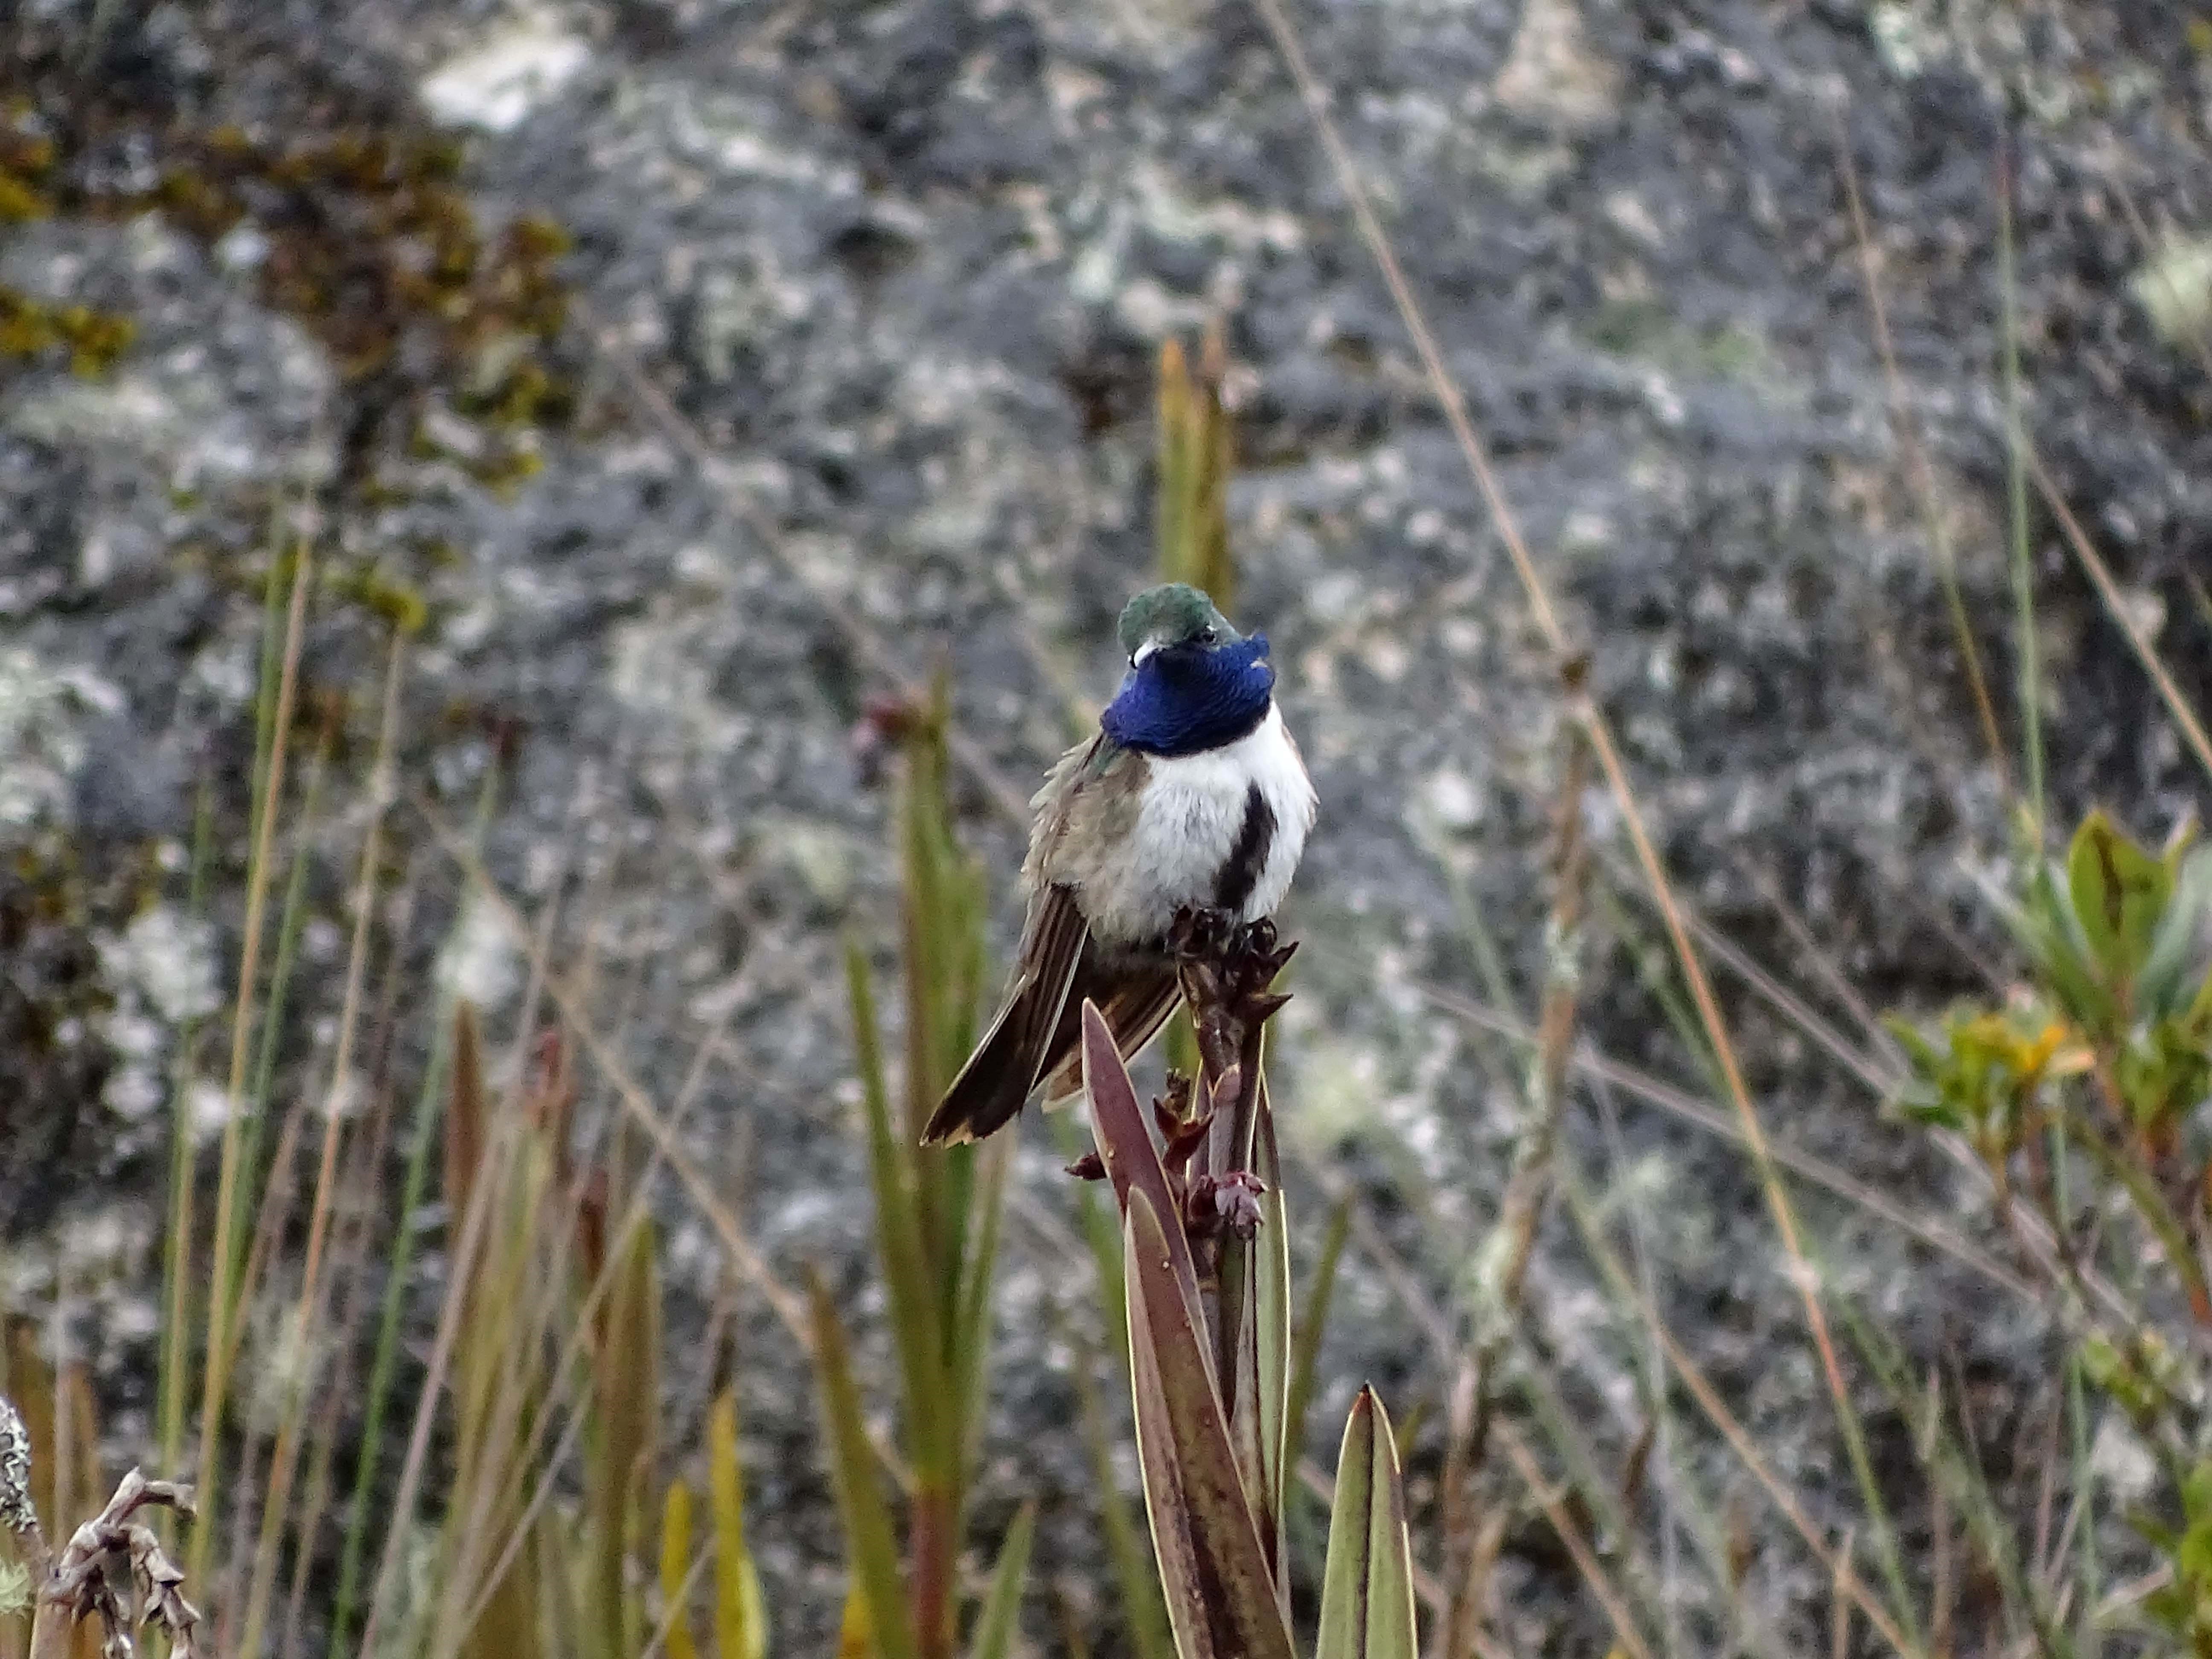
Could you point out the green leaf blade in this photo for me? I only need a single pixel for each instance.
(1367, 1586)
(880, 1585)
(994, 1627)
(930, 1417)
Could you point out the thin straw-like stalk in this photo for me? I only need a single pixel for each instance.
(535, 1459)
(177, 1256)
(1724, 1125)
(243, 1276)
(362, 1180)
(1674, 1493)
(2085, 1636)
(1877, 1081)
(395, 1286)
(2100, 574)
(2023, 567)
(1548, 1498)
(216, 1381)
(1502, 1260)
(1916, 458)
(469, 1241)
(276, 1496)
(453, 1344)
(1830, 972)
(743, 1254)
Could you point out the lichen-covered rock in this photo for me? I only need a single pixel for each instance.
(899, 270)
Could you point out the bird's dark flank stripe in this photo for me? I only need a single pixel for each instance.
(1240, 871)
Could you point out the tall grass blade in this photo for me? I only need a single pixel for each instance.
(307, 1313)
(1002, 1604)
(1196, 456)
(900, 1250)
(241, 1274)
(177, 1256)
(879, 1588)
(2023, 567)
(626, 1388)
(741, 1619)
(221, 1309)
(1312, 1326)
(1367, 1587)
(385, 1358)
(970, 1354)
(675, 1571)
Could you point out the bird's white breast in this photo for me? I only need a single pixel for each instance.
(1194, 807)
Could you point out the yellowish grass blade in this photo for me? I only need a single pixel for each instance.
(675, 1572)
(878, 1582)
(740, 1621)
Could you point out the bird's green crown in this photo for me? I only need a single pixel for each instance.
(1171, 614)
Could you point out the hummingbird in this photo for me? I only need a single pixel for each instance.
(1191, 795)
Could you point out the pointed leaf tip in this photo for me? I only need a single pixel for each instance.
(1367, 1586)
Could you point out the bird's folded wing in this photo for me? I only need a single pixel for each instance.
(1052, 938)
(1006, 1065)
(1135, 1011)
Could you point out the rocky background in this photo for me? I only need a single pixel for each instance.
(695, 372)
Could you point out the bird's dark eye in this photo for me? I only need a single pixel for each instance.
(1206, 636)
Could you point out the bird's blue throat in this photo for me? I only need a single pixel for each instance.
(1186, 700)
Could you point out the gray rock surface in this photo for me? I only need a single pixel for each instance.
(902, 268)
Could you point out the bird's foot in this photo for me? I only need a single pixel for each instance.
(1200, 932)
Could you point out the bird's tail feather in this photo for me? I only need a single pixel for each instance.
(989, 1091)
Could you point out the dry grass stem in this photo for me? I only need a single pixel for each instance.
(2116, 605)
(1502, 1258)
(1916, 458)
(221, 1303)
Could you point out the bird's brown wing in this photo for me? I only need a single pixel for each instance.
(1086, 811)
(999, 1076)
(1135, 1004)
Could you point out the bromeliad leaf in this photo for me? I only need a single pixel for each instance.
(1125, 1143)
(1220, 1593)
(1367, 1587)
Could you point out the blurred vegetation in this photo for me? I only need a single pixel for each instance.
(519, 1478)
(2083, 1092)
